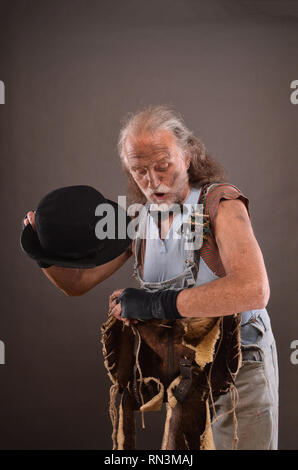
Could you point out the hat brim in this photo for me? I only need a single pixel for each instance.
(106, 251)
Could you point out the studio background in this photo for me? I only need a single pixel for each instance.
(72, 70)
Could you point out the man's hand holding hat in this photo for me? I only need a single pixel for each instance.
(30, 219)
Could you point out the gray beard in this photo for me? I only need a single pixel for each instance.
(162, 211)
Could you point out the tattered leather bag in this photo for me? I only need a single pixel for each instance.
(187, 364)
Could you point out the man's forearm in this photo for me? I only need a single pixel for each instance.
(224, 296)
(66, 279)
(76, 282)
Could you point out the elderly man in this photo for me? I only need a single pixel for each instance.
(166, 164)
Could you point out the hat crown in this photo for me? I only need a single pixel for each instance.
(65, 221)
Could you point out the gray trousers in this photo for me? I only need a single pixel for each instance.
(256, 415)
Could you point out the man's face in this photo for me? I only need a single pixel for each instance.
(158, 167)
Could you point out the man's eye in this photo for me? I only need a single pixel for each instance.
(140, 171)
(162, 167)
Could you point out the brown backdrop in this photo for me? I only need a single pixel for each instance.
(72, 69)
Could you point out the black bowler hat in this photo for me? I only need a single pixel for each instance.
(65, 233)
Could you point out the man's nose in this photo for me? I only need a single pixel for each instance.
(154, 179)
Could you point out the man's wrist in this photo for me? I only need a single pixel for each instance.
(168, 301)
(180, 301)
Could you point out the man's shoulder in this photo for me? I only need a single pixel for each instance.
(220, 187)
(216, 192)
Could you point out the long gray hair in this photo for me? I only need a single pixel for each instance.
(203, 168)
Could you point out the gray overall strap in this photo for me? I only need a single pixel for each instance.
(189, 254)
(139, 235)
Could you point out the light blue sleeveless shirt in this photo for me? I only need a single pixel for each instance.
(165, 260)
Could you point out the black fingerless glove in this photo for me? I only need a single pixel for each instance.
(144, 305)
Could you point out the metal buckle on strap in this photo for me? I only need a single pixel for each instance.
(186, 379)
(189, 278)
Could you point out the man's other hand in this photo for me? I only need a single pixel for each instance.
(115, 308)
(143, 305)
